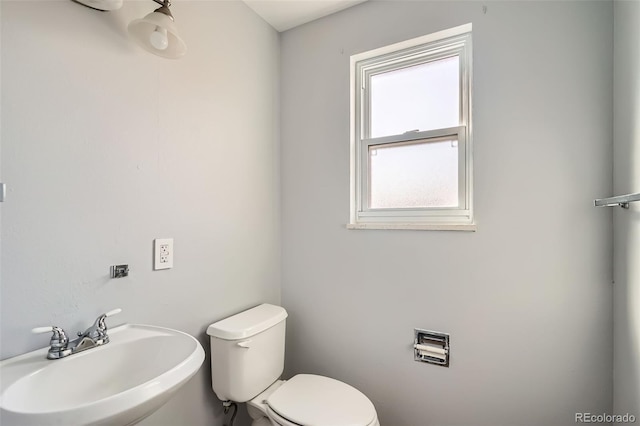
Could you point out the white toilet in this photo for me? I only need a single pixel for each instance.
(247, 359)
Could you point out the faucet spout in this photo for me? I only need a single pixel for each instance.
(84, 343)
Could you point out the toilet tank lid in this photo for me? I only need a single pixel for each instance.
(248, 323)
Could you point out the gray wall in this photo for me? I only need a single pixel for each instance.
(627, 223)
(106, 147)
(527, 298)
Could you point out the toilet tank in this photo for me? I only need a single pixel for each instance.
(247, 352)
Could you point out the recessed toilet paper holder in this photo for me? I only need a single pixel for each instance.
(431, 347)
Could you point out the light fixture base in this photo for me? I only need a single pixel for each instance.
(165, 11)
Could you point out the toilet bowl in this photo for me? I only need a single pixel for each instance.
(308, 399)
(247, 359)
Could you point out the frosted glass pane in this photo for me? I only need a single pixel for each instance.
(415, 175)
(423, 97)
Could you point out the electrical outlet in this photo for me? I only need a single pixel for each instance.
(163, 253)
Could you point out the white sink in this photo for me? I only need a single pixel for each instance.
(119, 383)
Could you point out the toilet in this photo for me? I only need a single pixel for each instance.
(247, 359)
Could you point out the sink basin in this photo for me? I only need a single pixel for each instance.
(119, 383)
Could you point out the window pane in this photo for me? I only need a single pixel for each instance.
(423, 174)
(423, 97)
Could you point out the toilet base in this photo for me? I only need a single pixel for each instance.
(257, 408)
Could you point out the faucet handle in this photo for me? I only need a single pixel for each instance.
(100, 323)
(39, 330)
(99, 329)
(112, 312)
(57, 331)
(59, 341)
(59, 338)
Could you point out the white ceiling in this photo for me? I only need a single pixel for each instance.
(286, 14)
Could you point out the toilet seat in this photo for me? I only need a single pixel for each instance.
(312, 400)
(281, 421)
(274, 417)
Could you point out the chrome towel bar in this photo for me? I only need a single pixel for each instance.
(621, 200)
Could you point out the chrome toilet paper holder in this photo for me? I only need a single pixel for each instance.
(431, 347)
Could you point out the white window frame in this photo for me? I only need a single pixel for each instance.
(444, 44)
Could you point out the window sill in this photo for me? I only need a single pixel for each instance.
(415, 226)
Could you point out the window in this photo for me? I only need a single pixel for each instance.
(411, 134)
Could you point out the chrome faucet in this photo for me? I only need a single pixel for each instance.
(94, 336)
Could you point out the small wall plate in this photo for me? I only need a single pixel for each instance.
(119, 271)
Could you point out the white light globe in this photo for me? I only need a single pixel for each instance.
(157, 33)
(159, 39)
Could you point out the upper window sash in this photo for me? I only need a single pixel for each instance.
(366, 68)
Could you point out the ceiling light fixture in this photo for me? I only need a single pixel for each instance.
(155, 33)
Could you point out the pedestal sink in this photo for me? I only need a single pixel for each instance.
(119, 383)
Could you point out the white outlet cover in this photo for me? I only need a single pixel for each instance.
(162, 253)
